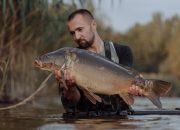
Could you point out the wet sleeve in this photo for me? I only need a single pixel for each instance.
(68, 105)
(82, 105)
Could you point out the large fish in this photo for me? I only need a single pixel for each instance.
(95, 74)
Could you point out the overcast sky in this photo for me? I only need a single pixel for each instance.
(122, 14)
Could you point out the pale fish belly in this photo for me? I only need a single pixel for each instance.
(99, 79)
(93, 80)
(101, 85)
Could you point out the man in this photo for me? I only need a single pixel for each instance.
(82, 26)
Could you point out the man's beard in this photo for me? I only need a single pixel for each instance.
(84, 44)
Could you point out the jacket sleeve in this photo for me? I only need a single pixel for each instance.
(124, 54)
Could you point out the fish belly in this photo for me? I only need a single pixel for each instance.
(98, 80)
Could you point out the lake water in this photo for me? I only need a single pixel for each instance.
(46, 114)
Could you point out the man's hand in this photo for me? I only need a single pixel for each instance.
(136, 91)
(72, 94)
(68, 77)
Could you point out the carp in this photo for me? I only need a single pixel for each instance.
(95, 74)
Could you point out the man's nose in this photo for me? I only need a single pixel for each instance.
(77, 36)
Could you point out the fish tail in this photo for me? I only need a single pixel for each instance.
(156, 88)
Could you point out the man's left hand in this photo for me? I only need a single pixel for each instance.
(136, 91)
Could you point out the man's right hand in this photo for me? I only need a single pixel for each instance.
(72, 94)
(68, 77)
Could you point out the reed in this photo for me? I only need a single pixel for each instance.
(17, 49)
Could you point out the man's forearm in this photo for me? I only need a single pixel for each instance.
(72, 95)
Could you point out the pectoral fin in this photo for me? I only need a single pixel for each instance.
(128, 98)
(92, 97)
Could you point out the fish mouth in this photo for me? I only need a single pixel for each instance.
(38, 64)
(45, 66)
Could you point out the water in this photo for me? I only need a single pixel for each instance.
(45, 114)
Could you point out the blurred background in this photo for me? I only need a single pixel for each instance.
(29, 28)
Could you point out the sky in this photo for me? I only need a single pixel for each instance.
(123, 14)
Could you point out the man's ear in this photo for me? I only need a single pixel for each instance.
(93, 24)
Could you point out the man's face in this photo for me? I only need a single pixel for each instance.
(82, 30)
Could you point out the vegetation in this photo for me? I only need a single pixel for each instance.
(156, 48)
(27, 28)
(31, 28)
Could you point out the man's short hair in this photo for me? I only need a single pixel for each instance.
(83, 12)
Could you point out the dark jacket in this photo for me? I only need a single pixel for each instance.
(112, 103)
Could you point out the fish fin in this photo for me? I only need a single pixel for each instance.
(155, 100)
(156, 89)
(160, 87)
(135, 72)
(128, 98)
(92, 97)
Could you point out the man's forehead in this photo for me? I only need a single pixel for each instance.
(77, 21)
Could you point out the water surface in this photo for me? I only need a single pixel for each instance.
(46, 114)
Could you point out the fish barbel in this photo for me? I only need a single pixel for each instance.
(95, 74)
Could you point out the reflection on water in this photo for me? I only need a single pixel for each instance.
(45, 114)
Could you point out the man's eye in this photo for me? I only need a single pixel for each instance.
(72, 33)
(80, 29)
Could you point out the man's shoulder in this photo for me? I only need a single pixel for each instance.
(124, 53)
(121, 47)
